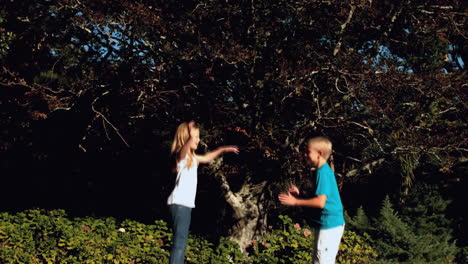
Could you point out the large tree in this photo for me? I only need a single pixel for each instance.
(385, 80)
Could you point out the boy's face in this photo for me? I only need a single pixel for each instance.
(196, 139)
(313, 155)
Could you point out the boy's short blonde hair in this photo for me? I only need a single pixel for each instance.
(322, 144)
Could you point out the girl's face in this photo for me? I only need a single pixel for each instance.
(312, 155)
(196, 139)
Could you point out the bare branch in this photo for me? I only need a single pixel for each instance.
(343, 27)
(108, 122)
(368, 168)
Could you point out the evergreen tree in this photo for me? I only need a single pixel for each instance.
(415, 236)
(394, 237)
(425, 211)
(360, 222)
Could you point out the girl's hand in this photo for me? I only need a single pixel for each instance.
(293, 190)
(287, 199)
(234, 149)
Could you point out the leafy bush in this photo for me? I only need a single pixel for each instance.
(228, 252)
(39, 236)
(291, 243)
(355, 249)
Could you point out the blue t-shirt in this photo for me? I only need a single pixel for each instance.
(332, 214)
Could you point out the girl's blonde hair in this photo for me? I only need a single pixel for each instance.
(324, 145)
(181, 136)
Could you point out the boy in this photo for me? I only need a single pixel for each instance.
(327, 198)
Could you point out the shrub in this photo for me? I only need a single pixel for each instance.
(198, 251)
(291, 243)
(228, 251)
(39, 236)
(355, 249)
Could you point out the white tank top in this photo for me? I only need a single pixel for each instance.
(186, 184)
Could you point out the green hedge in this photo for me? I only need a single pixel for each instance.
(291, 243)
(39, 236)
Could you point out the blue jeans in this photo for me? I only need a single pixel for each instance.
(180, 224)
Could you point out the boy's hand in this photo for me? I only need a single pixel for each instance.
(287, 199)
(234, 149)
(293, 190)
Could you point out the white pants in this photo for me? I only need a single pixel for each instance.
(327, 244)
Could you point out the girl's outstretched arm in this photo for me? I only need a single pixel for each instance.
(208, 157)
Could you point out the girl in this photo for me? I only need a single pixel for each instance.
(182, 199)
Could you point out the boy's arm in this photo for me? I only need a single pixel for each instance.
(208, 157)
(317, 202)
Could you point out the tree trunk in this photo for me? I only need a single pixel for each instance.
(248, 209)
